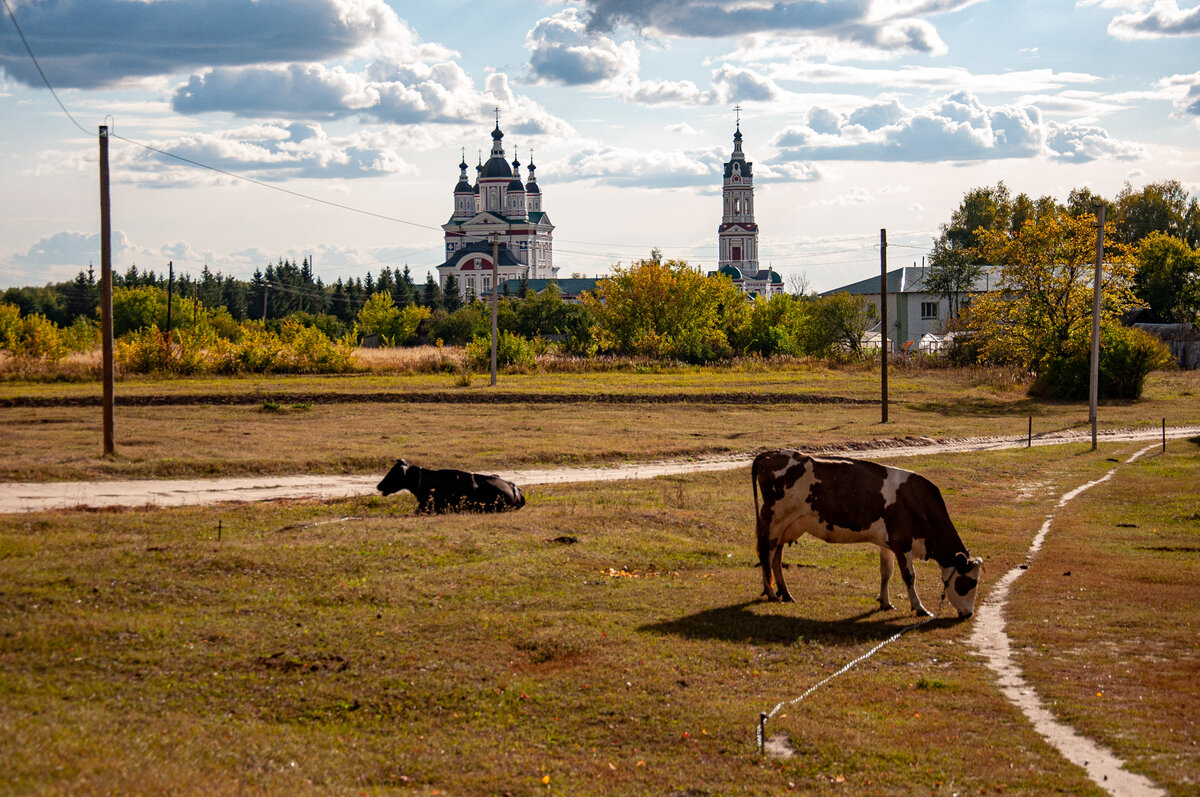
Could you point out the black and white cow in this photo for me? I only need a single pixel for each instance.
(849, 500)
(449, 490)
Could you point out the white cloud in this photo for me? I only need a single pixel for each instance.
(563, 50)
(626, 166)
(957, 128)
(96, 43)
(1164, 18)
(1184, 92)
(265, 151)
(883, 27)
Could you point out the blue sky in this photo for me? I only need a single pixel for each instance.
(858, 115)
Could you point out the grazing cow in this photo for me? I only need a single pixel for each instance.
(439, 491)
(849, 500)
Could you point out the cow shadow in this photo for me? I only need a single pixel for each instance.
(738, 623)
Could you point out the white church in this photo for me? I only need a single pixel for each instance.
(499, 204)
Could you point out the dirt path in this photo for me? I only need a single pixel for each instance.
(990, 638)
(18, 497)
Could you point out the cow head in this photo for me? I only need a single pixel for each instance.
(961, 580)
(395, 480)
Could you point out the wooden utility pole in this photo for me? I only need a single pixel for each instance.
(106, 303)
(495, 297)
(883, 323)
(170, 291)
(1094, 380)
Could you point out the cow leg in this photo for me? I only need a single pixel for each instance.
(887, 564)
(906, 572)
(764, 561)
(777, 568)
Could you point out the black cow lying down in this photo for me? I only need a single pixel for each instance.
(448, 490)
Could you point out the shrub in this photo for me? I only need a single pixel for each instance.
(310, 351)
(35, 338)
(82, 335)
(142, 352)
(1127, 356)
(511, 350)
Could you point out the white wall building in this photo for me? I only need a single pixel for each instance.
(913, 312)
(499, 202)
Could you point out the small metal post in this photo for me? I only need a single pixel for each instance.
(218, 529)
(762, 733)
(1029, 442)
(1164, 435)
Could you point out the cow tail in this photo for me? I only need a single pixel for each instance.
(754, 481)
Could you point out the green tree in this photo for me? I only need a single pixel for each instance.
(1157, 207)
(136, 308)
(395, 326)
(450, 294)
(1168, 278)
(665, 309)
(1044, 305)
(841, 318)
(432, 297)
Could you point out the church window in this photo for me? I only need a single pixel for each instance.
(737, 253)
(737, 205)
(487, 283)
(470, 284)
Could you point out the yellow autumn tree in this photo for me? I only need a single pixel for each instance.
(659, 308)
(1043, 310)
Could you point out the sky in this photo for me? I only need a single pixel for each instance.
(246, 131)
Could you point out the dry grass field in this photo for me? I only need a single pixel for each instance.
(606, 639)
(358, 424)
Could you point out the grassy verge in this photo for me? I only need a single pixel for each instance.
(48, 443)
(605, 639)
(1108, 628)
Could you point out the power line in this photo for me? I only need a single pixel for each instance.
(33, 58)
(612, 246)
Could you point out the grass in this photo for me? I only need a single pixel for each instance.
(730, 410)
(347, 646)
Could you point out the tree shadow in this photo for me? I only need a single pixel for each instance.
(738, 623)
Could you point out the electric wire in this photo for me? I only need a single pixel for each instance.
(611, 247)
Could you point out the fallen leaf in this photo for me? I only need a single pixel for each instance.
(545, 780)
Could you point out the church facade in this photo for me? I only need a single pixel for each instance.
(497, 206)
(737, 235)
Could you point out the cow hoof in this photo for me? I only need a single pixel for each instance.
(922, 613)
(785, 598)
(885, 606)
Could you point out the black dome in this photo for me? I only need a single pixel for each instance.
(496, 167)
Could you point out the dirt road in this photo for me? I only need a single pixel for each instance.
(16, 497)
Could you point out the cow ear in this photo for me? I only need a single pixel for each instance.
(961, 563)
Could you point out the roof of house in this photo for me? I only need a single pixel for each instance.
(911, 279)
(573, 286)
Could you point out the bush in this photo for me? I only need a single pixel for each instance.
(83, 335)
(1127, 356)
(35, 338)
(511, 351)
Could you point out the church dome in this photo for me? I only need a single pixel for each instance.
(496, 167)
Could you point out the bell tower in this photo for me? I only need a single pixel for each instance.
(737, 236)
